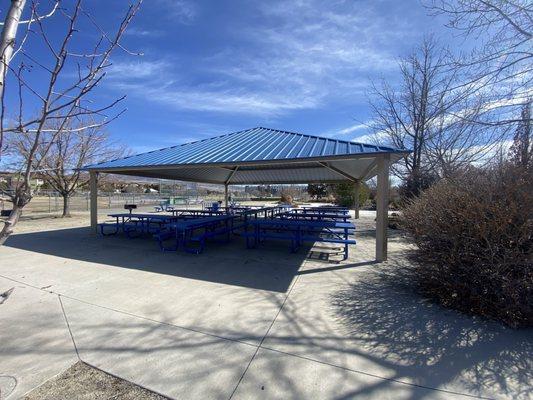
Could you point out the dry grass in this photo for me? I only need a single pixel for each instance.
(83, 382)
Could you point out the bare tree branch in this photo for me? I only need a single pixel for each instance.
(501, 66)
(68, 122)
(430, 116)
(32, 19)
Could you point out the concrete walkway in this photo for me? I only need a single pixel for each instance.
(242, 324)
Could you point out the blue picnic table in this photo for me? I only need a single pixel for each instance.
(186, 213)
(299, 231)
(255, 213)
(311, 215)
(262, 212)
(136, 223)
(185, 232)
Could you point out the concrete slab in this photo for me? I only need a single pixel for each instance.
(187, 326)
(363, 320)
(34, 341)
(172, 361)
(274, 375)
(238, 292)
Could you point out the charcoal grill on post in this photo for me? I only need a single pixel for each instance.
(130, 207)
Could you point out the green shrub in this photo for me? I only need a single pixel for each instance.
(474, 244)
(343, 193)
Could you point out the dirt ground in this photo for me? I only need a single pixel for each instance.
(83, 382)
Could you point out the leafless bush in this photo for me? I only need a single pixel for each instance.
(474, 243)
(286, 198)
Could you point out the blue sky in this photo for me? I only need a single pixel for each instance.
(213, 67)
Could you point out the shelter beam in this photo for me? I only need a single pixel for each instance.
(338, 171)
(233, 171)
(369, 169)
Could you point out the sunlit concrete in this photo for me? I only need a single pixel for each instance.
(242, 324)
(35, 344)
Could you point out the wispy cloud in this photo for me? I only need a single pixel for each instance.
(121, 71)
(206, 99)
(155, 81)
(182, 11)
(300, 55)
(379, 138)
(352, 129)
(133, 31)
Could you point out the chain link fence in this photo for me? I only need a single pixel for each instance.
(49, 201)
(52, 202)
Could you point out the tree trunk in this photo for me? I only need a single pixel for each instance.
(66, 206)
(7, 39)
(7, 45)
(10, 223)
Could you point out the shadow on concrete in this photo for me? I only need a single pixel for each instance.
(365, 233)
(337, 267)
(271, 267)
(429, 345)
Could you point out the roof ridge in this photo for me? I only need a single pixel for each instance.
(326, 138)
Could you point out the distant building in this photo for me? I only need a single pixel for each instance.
(8, 180)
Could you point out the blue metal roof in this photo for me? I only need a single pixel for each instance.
(254, 145)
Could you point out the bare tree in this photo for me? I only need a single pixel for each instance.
(71, 72)
(60, 164)
(456, 140)
(500, 69)
(7, 39)
(420, 114)
(521, 151)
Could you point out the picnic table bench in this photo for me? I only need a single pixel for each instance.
(323, 210)
(198, 230)
(299, 231)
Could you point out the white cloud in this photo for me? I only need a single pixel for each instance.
(489, 151)
(379, 138)
(351, 129)
(133, 31)
(124, 71)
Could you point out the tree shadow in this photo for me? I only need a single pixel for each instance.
(160, 356)
(271, 267)
(428, 344)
